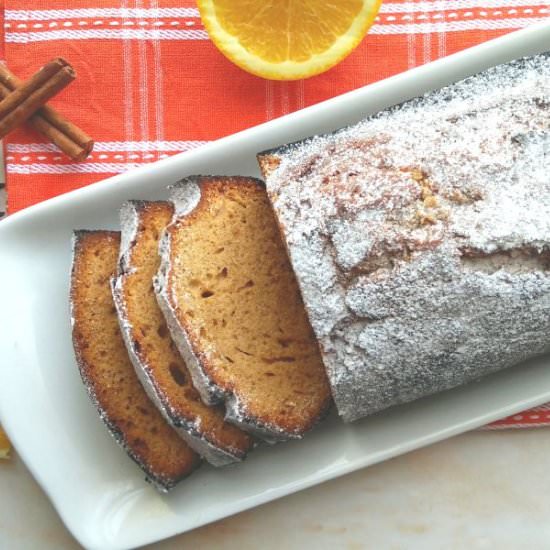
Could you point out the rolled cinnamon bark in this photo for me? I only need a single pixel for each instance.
(67, 136)
(20, 104)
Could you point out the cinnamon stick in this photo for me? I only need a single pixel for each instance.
(20, 104)
(67, 136)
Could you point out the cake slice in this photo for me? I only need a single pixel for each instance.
(420, 237)
(233, 307)
(157, 362)
(106, 370)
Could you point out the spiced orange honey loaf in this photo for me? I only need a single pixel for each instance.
(157, 362)
(234, 309)
(421, 237)
(107, 372)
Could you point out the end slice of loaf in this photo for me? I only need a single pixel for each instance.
(157, 362)
(106, 370)
(234, 309)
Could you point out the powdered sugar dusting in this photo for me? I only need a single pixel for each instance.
(408, 232)
(185, 195)
(129, 221)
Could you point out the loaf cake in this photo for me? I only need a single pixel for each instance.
(233, 307)
(106, 370)
(157, 362)
(420, 237)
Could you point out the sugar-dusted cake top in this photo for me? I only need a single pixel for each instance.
(420, 237)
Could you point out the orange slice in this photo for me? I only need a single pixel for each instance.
(287, 39)
(5, 446)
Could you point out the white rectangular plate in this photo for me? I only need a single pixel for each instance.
(98, 491)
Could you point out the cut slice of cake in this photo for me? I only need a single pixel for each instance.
(156, 360)
(106, 370)
(234, 309)
(420, 237)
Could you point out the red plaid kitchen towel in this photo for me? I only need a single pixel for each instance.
(151, 84)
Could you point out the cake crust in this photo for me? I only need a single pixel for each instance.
(420, 237)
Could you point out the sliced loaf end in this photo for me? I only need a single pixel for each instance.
(106, 370)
